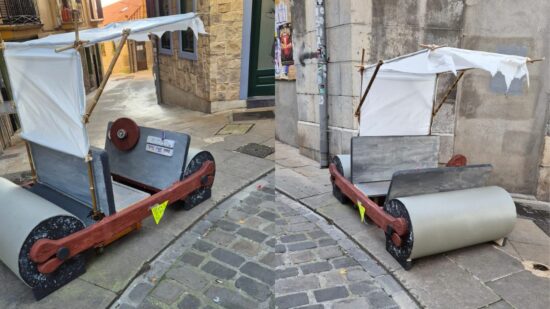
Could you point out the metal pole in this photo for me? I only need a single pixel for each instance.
(93, 103)
(156, 67)
(322, 83)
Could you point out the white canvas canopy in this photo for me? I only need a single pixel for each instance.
(400, 101)
(48, 87)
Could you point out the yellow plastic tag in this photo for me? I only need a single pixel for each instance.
(361, 211)
(158, 211)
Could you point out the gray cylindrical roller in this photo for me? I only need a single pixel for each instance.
(195, 159)
(25, 218)
(446, 221)
(343, 164)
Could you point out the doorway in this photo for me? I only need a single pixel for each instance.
(261, 81)
(141, 56)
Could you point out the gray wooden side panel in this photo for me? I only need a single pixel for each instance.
(433, 180)
(376, 158)
(151, 169)
(69, 175)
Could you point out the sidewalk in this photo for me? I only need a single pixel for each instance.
(477, 277)
(108, 274)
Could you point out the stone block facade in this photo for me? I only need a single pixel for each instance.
(477, 120)
(215, 75)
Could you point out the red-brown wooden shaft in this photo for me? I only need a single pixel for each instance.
(43, 252)
(381, 218)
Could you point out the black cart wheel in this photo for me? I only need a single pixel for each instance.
(335, 190)
(200, 195)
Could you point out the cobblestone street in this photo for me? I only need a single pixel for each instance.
(260, 249)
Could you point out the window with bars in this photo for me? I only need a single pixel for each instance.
(16, 12)
(188, 42)
(166, 39)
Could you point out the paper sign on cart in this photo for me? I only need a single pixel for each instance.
(158, 211)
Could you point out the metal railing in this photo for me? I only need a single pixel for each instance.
(17, 12)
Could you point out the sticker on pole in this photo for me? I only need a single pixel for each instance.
(361, 211)
(158, 211)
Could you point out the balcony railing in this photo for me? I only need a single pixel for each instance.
(18, 12)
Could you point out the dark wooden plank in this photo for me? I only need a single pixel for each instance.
(376, 158)
(69, 175)
(433, 180)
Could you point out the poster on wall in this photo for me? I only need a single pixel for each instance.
(284, 60)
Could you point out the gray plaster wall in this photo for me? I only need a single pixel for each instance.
(484, 124)
(506, 130)
(286, 112)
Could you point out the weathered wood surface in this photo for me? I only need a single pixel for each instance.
(376, 158)
(374, 189)
(69, 175)
(151, 169)
(433, 180)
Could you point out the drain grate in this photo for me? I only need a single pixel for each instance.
(235, 129)
(256, 150)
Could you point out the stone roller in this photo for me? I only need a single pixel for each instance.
(445, 221)
(27, 218)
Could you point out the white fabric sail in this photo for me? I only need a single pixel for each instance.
(400, 100)
(48, 87)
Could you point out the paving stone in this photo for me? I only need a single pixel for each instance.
(344, 262)
(329, 252)
(300, 257)
(259, 272)
(513, 290)
(250, 209)
(315, 267)
(268, 215)
(373, 268)
(189, 302)
(388, 283)
(202, 227)
(270, 229)
(354, 275)
(272, 260)
(255, 222)
(218, 270)
(280, 248)
(332, 278)
(251, 234)
(139, 292)
(246, 247)
(295, 219)
(191, 258)
(203, 246)
(188, 277)
(363, 288)
(354, 303)
(287, 272)
(236, 215)
(500, 305)
(331, 293)
(327, 242)
(296, 284)
(271, 242)
(151, 303)
(379, 299)
(317, 234)
(293, 300)
(302, 246)
(293, 238)
(300, 227)
(228, 257)
(226, 225)
(220, 238)
(253, 288)
(281, 222)
(167, 291)
(316, 306)
(229, 299)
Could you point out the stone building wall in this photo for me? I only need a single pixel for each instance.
(485, 124)
(214, 78)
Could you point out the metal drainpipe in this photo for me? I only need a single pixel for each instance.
(322, 81)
